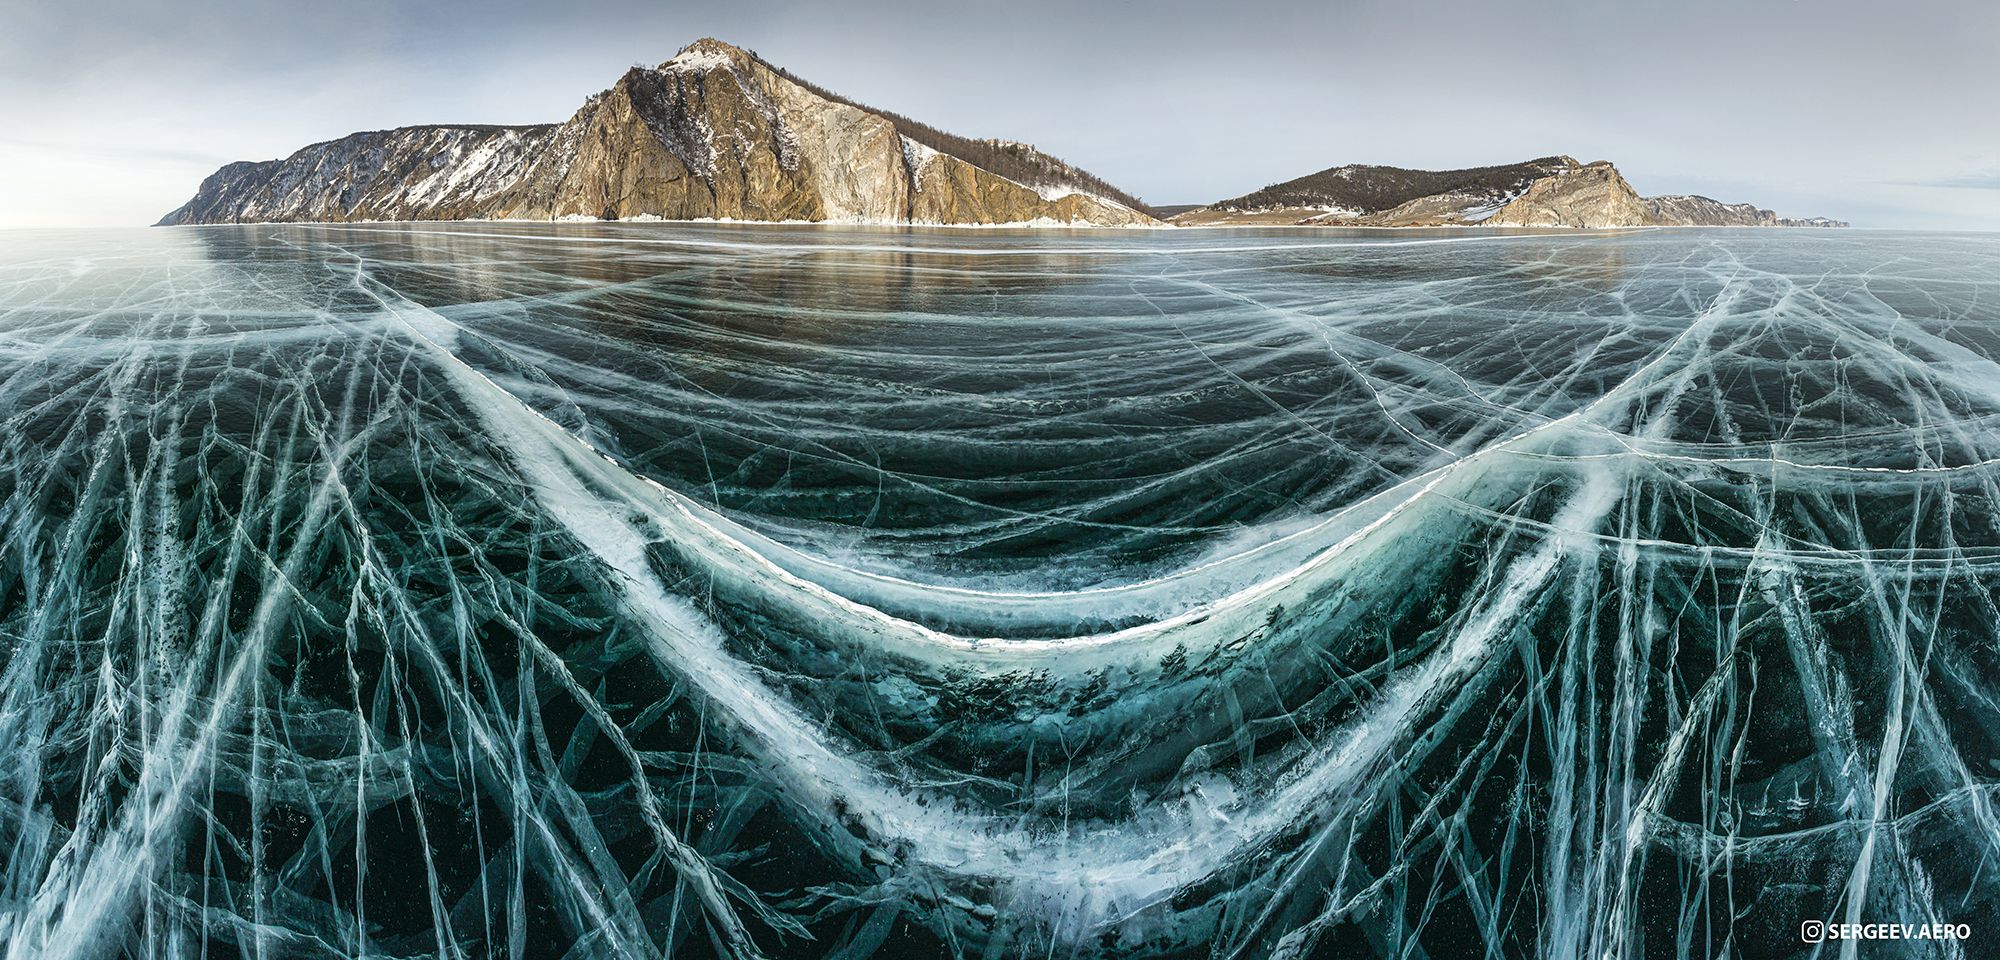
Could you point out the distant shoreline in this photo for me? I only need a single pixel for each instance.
(1118, 228)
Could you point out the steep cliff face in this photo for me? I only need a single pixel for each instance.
(713, 133)
(1596, 195)
(691, 139)
(1590, 195)
(946, 189)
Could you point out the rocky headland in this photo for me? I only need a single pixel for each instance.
(718, 133)
(1547, 192)
(714, 133)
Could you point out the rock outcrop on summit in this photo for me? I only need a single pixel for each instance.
(715, 132)
(1548, 192)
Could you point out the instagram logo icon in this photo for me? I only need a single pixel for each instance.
(1812, 931)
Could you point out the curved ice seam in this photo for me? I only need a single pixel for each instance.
(1083, 879)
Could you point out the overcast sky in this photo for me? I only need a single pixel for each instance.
(1883, 113)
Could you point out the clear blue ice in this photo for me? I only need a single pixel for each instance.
(580, 591)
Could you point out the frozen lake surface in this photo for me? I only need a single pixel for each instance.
(624, 591)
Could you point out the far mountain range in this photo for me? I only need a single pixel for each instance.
(719, 133)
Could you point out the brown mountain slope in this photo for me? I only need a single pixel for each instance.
(1549, 192)
(713, 133)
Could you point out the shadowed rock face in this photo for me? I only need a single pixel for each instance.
(412, 173)
(713, 133)
(1703, 212)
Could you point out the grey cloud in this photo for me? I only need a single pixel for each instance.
(1967, 181)
(1800, 107)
